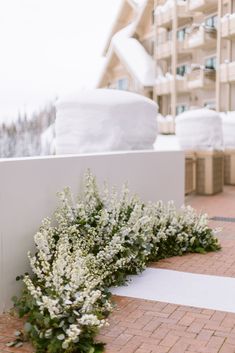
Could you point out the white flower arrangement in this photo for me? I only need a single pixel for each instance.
(96, 243)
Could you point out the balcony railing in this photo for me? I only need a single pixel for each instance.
(201, 78)
(164, 13)
(164, 85)
(227, 72)
(202, 5)
(164, 50)
(201, 37)
(182, 47)
(228, 26)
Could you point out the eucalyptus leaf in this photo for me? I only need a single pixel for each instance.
(27, 327)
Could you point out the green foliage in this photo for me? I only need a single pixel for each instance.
(95, 243)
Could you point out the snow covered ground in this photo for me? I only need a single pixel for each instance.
(167, 143)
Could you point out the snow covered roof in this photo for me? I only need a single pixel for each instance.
(132, 54)
(125, 7)
(137, 2)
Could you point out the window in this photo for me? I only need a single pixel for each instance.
(181, 108)
(181, 33)
(210, 63)
(182, 70)
(211, 21)
(210, 105)
(153, 17)
(123, 84)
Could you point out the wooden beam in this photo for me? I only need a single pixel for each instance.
(218, 85)
(229, 53)
(174, 59)
(155, 98)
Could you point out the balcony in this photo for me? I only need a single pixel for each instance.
(202, 5)
(227, 72)
(164, 85)
(182, 48)
(201, 37)
(228, 26)
(201, 78)
(164, 13)
(164, 50)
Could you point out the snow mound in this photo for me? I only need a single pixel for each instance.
(200, 129)
(104, 120)
(228, 129)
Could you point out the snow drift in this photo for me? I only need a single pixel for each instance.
(199, 129)
(104, 120)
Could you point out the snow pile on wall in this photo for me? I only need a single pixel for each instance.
(167, 143)
(228, 129)
(104, 120)
(199, 129)
(48, 141)
(168, 78)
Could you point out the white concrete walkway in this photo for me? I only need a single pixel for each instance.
(202, 291)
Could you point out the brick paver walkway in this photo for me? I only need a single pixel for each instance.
(142, 326)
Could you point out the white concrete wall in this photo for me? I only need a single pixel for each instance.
(28, 194)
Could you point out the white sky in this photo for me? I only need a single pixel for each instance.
(50, 48)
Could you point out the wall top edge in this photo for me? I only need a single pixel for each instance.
(103, 154)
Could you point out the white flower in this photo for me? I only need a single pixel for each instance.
(73, 332)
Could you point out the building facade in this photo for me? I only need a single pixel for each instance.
(181, 53)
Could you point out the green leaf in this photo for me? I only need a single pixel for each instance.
(27, 327)
(46, 321)
(14, 299)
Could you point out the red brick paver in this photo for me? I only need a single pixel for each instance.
(8, 326)
(220, 263)
(167, 328)
(222, 204)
